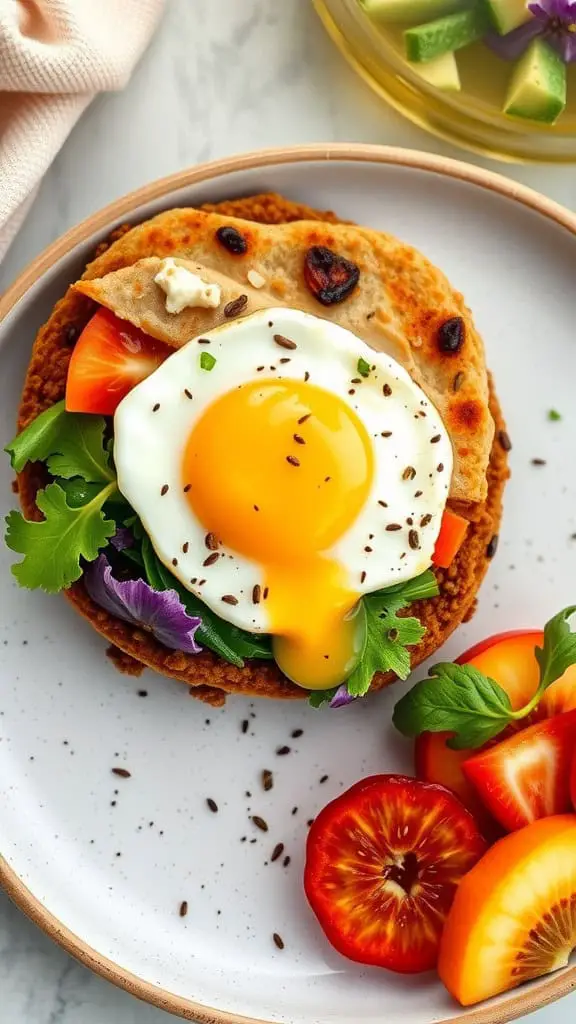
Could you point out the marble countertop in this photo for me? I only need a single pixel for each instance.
(220, 77)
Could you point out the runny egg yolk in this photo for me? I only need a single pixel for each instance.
(280, 469)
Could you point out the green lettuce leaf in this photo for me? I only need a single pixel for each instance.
(71, 445)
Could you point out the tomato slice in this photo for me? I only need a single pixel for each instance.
(573, 783)
(509, 659)
(109, 358)
(514, 915)
(527, 776)
(452, 532)
(382, 865)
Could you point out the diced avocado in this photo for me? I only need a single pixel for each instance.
(537, 89)
(424, 42)
(410, 10)
(505, 15)
(442, 72)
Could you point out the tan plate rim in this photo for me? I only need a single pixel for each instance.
(513, 1007)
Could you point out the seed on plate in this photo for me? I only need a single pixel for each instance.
(277, 851)
(259, 822)
(267, 780)
(236, 306)
(212, 805)
(294, 810)
(323, 778)
(183, 908)
(245, 725)
(211, 558)
(392, 527)
(292, 460)
(299, 439)
(122, 773)
(278, 940)
(414, 539)
(297, 733)
(409, 473)
(492, 546)
(305, 417)
(211, 542)
(538, 462)
(229, 599)
(387, 391)
(281, 751)
(284, 342)
(232, 240)
(164, 490)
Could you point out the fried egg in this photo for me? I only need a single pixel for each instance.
(282, 469)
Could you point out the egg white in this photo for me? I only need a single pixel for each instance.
(153, 423)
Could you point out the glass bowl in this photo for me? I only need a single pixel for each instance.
(473, 117)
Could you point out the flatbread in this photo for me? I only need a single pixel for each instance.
(397, 307)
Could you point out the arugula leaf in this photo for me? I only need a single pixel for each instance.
(462, 700)
(207, 361)
(226, 640)
(458, 699)
(388, 634)
(71, 444)
(363, 367)
(53, 548)
(318, 698)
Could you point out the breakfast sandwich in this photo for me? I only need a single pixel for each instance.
(260, 451)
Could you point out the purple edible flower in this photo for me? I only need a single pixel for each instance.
(554, 21)
(159, 612)
(122, 539)
(341, 698)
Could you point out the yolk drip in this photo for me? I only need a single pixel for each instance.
(280, 471)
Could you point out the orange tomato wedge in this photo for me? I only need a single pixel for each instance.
(110, 357)
(450, 539)
(514, 914)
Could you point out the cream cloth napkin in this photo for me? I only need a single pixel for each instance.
(55, 56)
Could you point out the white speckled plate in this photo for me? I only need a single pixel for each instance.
(103, 863)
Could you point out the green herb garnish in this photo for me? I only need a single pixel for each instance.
(71, 444)
(461, 700)
(207, 361)
(363, 367)
(554, 415)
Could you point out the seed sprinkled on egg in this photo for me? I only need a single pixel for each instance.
(418, 494)
(306, 376)
(164, 490)
(156, 407)
(362, 576)
(211, 558)
(299, 439)
(284, 342)
(229, 599)
(185, 547)
(439, 467)
(410, 521)
(351, 392)
(292, 460)
(174, 562)
(305, 417)
(383, 503)
(392, 527)
(285, 359)
(414, 540)
(386, 391)
(265, 593)
(203, 341)
(435, 439)
(256, 593)
(187, 488)
(368, 549)
(236, 306)
(187, 393)
(409, 473)
(211, 542)
(425, 520)
(386, 433)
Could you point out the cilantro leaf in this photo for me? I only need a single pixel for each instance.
(462, 700)
(363, 367)
(458, 699)
(554, 415)
(53, 548)
(71, 444)
(388, 634)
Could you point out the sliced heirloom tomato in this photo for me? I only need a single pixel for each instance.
(383, 862)
(514, 914)
(508, 659)
(527, 776)
(573, 782)
(450, 539)
(109, 358)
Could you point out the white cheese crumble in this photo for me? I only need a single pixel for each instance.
(183, 288)
(255, 279)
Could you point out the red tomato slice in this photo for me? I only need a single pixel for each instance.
(109, 358)
(527, 776)
(450, 539)
(383, 862)
(573, 783)
(509, 659)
